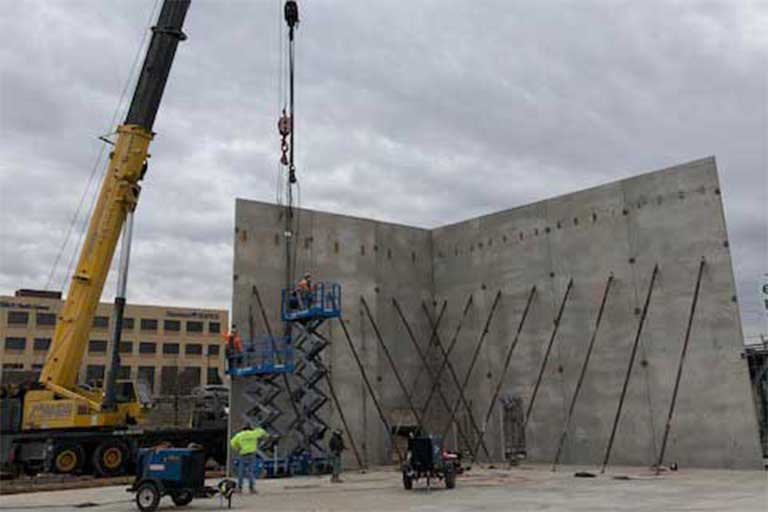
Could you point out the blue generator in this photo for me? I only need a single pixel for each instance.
(175, 472)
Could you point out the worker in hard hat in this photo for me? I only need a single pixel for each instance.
(246, 445)
(305, 291)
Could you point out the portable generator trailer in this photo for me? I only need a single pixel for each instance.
(426, 459)
(175, 472)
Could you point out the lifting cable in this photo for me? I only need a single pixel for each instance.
(120, 109)
(286, 128)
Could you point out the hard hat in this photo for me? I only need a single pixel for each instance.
(306, 275)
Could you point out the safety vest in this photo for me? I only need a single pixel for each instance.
(234, 342)
(246, 441)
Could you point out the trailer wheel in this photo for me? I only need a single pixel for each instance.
(182, 498)
(68, 458)
(147, 497)
(110, 458)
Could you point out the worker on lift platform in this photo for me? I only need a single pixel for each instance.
(234, 344)
(305, 291)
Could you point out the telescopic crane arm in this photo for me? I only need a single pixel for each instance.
(117, 198)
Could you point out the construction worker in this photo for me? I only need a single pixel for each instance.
(246, 443)
(234, 342)
(305, 290)
(336, 446)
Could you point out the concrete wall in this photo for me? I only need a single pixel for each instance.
(671, 217)
(369, 259)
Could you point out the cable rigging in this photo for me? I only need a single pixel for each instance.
(119, 112)
(287, 129)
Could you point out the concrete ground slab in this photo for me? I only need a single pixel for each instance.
(529, 488)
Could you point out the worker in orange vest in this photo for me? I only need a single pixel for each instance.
(305, 289)
(234, 342)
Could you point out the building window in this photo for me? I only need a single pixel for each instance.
(194, 349)
(96, 346)
(45, 319)
(213, 350)
(189, 378)
(194, 326)
(13, 366)
(147, 347)
(126, 347)
(169, 380)
(214, 327)
(18, 318)
(101, 322)
(148, 324)
(128, 324)
(94, 374)
(124, 373)
(170, 348)
(37, 367)
(15, 343)
(42, 344)
(172, 325)
(146, 374)
(213, 376)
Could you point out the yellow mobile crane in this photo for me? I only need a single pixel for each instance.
(64, 424)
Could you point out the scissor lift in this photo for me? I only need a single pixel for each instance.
(305, 312)
(296, 359)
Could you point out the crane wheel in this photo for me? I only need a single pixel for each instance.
(68, 458)
(110, 458)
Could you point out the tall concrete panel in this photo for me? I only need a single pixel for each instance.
(371, 260)
(672, 218)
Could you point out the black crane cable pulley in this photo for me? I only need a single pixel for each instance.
(291, 13)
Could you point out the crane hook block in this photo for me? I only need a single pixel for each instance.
(284, 125)
(291, 12)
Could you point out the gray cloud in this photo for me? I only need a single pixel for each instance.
(416, 112)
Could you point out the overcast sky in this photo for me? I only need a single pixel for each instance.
(419, 112)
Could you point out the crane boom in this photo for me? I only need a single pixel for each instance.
(117, 197)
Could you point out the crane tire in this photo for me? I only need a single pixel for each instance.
(68, 458)
(110, 458)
